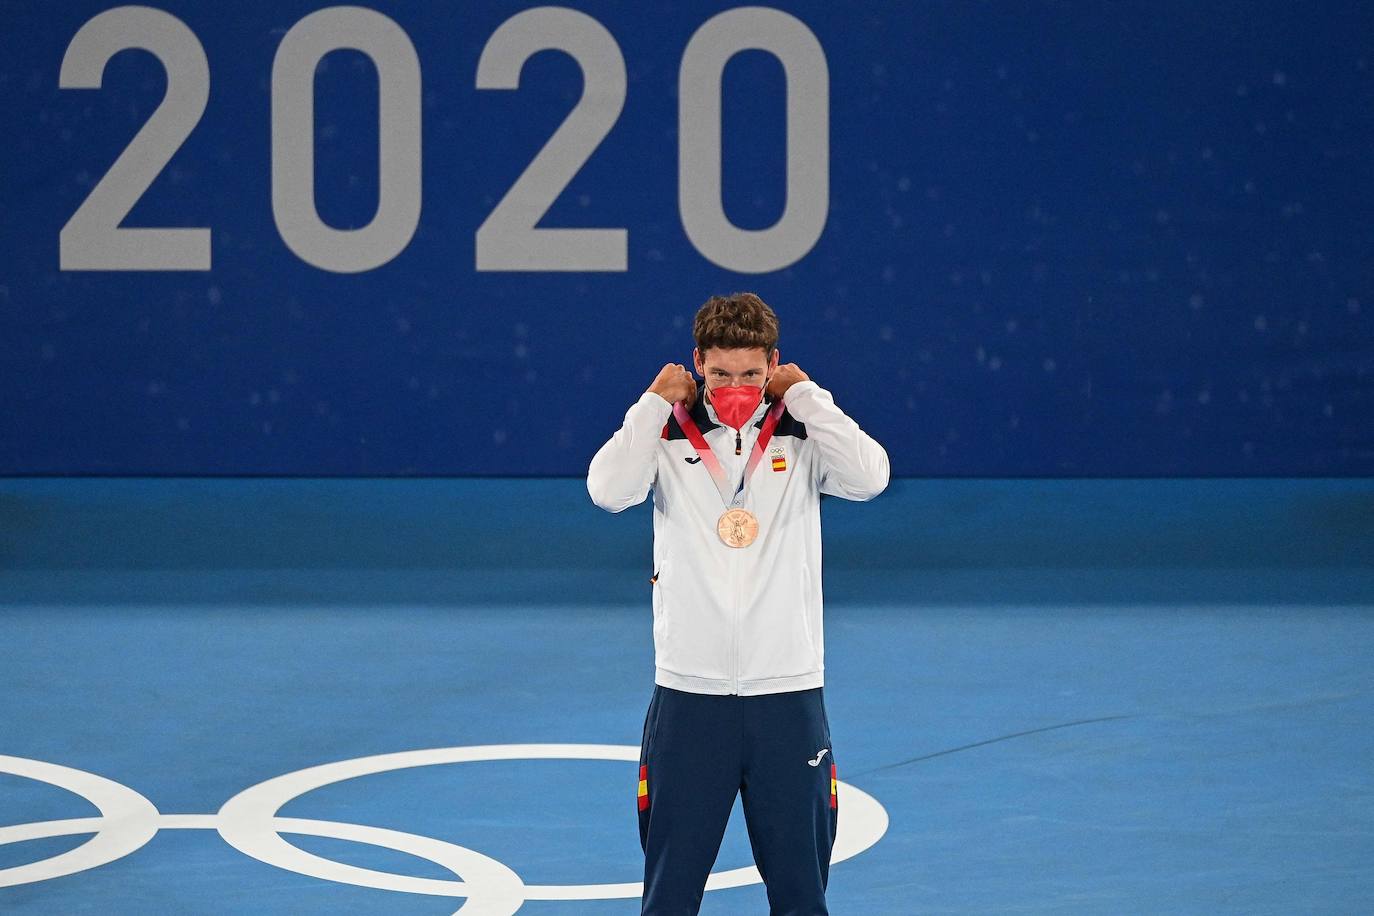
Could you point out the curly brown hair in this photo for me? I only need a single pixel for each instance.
(739, 320)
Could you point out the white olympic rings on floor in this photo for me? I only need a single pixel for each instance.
(249, 822)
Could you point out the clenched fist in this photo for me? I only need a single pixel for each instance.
(784, 377)
(674, 383)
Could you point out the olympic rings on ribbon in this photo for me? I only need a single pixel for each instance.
(249, 822)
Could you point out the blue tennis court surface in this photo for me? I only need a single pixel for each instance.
(1140, 696)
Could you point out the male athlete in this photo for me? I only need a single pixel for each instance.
(737, 704)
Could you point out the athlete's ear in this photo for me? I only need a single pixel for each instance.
(772, 368)
(696, 362)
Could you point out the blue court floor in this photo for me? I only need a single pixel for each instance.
(1058, 696)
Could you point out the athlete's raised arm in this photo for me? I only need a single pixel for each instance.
(851, 465)
(624, 469)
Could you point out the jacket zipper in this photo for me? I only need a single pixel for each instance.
(734, 569)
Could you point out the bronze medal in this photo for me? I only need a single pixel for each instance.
(738, 528)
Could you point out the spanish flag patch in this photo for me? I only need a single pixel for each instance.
(779, 458)
(644, 789)
(834, 800)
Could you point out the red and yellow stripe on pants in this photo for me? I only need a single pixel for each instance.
(643, 788)
(834, 801)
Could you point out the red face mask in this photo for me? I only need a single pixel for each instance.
(736, 404)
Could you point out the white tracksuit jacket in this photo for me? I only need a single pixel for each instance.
(741, 620)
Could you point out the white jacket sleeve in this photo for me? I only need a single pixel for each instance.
(850, 463)
(623, 470)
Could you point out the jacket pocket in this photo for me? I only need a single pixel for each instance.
(660, 617)
(776, 637)
(808, 609)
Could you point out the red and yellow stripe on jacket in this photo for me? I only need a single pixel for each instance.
(834, 800)
(643, 788)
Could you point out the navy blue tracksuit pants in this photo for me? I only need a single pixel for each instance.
(699, 750)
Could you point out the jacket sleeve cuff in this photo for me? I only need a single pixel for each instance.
(798, 393)
(657, 406)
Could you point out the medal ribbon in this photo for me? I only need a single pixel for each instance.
(708, 457)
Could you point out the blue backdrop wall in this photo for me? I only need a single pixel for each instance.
(1038, 238)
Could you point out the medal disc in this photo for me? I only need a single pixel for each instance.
(738, 528)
